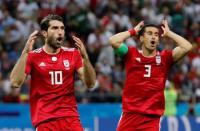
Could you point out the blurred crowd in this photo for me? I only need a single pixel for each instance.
(94, 21)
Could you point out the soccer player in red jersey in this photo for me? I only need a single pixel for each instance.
(146, 73)
(52, 69)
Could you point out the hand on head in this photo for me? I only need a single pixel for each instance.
(139, 26)
(165, 28)
(31, 40)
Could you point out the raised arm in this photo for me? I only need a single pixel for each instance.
(86, 73)
(183, 46)
(18, 75)
(117, 39)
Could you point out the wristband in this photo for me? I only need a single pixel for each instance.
(132, 32)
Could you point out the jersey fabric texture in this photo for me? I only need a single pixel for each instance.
(52, 83)
(143, 91)
(61, 124)
(138, 122)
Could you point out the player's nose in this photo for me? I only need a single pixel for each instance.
(153, 37)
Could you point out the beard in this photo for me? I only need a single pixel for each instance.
(55, 43)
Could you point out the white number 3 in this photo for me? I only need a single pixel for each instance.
(147, 70)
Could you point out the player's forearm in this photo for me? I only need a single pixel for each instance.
(89, 73)
(117, 39)
(18, 75)
(180, 41)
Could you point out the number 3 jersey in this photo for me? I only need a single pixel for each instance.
(52, 83)
(145, 81)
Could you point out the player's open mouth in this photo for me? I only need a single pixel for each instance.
(59, 39)
(153, 42)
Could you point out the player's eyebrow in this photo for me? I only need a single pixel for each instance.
(152, 32)
(56, 27)
(156, 33)
(62, 27)
(149, 32)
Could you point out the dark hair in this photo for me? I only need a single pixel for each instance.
(141, 32)
(44, 24)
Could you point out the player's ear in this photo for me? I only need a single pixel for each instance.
(44, 33)
(141, 38)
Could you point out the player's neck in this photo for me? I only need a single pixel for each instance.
(148, 53)
(50, 50)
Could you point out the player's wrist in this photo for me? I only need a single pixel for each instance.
(169, 34)
(132, 32)
(25, 51)
(85, 57)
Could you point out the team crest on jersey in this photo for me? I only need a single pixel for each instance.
(66, 63)
(158, 59)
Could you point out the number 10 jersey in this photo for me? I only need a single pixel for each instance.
(52, 83)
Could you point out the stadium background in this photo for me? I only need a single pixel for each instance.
(95, 21)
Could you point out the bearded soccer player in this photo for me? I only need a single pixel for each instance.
(52, 68)
(146, 73)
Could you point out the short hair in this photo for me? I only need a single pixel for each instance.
(44, 24)
(141, 32)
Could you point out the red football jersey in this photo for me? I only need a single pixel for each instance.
(52, 83)
(145, 81)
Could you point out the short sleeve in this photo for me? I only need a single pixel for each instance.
(168, 56)
(79, 62)
(28, 64)
(130, 53)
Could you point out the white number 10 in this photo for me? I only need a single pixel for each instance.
(56, 77)
(147, 70)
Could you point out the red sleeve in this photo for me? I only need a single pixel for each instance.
(130, 52)
(168, 56)
(28, 64)
(78, 58)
